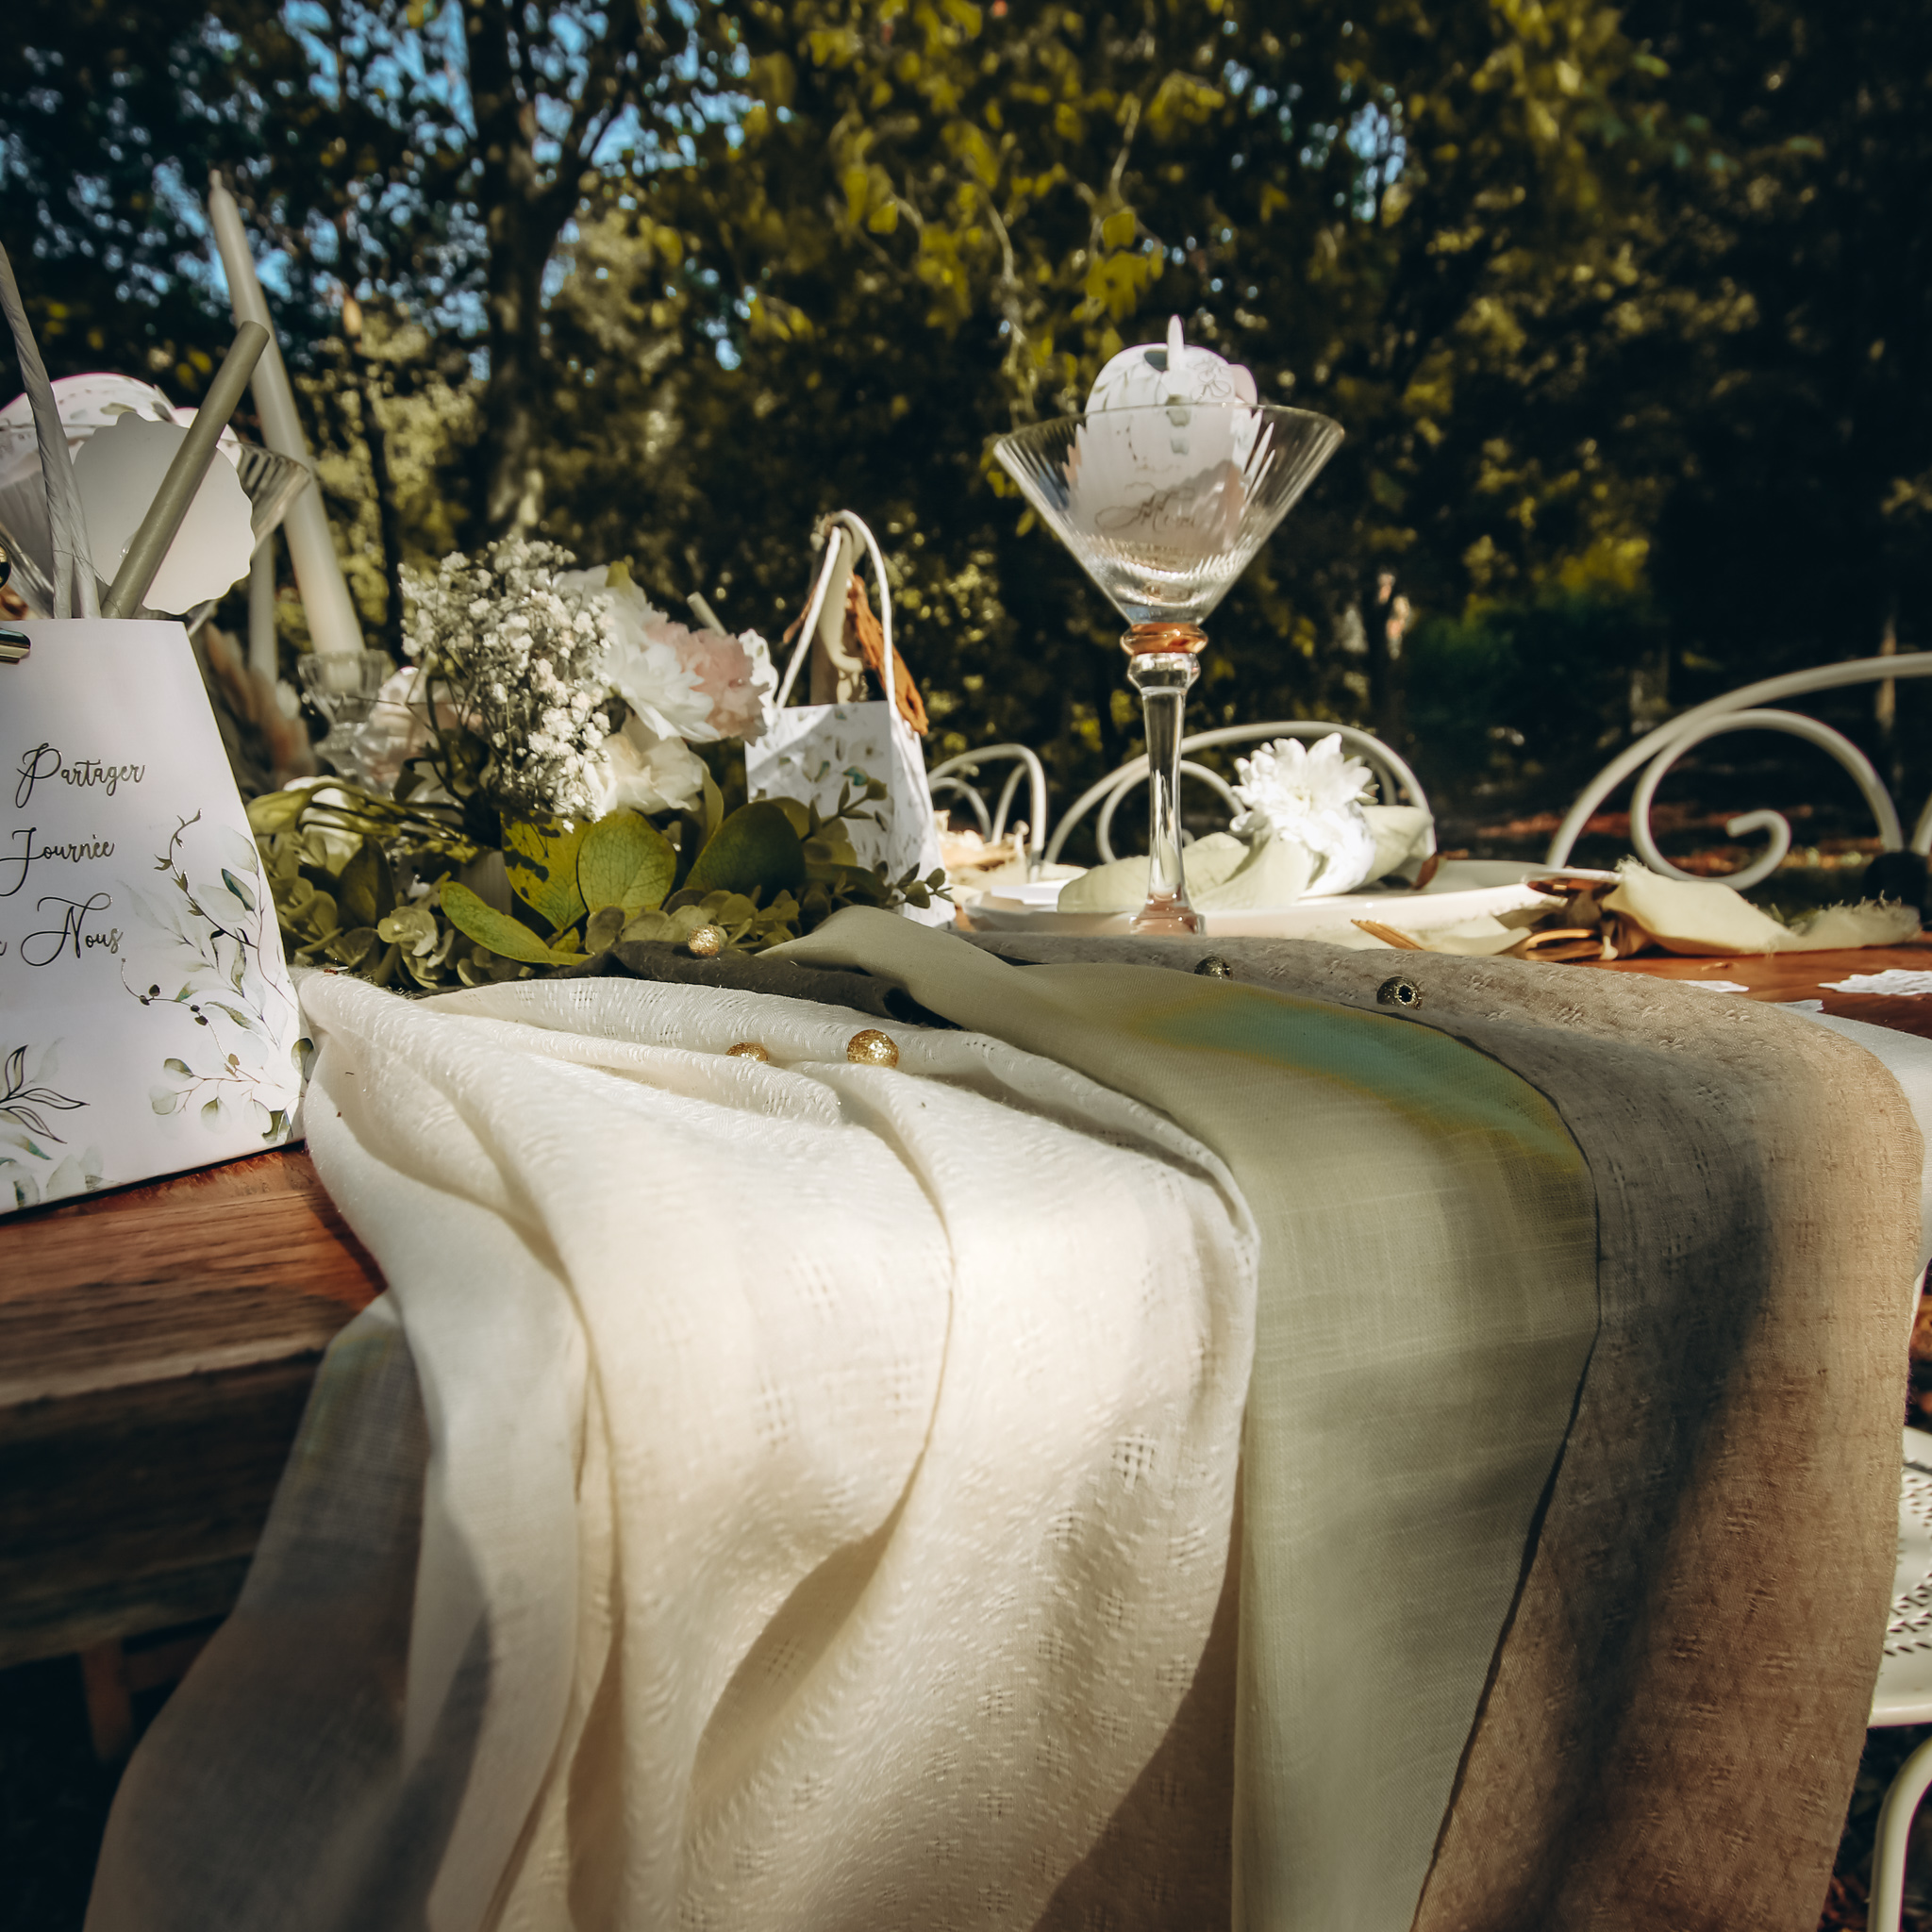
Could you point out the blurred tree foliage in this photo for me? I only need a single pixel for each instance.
(1625, 312)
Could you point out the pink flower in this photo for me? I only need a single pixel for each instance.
(734, 673)
(697, 685)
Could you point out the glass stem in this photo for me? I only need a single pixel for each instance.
(1162, 679)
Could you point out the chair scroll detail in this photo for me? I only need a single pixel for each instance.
(1743, 710)
(955, 776)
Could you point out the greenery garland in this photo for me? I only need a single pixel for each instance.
(399, 895)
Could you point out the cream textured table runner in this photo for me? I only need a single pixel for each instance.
(825, 1481)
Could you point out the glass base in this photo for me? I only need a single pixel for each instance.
(1166, 915)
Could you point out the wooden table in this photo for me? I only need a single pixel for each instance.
(1783, 976)
(156, 1344)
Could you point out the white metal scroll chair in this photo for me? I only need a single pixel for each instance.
(955, 777)
(1398, 784)
(1904, 1695)
(1741, 711)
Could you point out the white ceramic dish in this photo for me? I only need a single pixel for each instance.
(1462, 888)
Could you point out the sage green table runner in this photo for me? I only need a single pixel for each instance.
(1571, 1465)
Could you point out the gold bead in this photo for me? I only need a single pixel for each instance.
(705, 942)
(746, 1050)
(871, 1048)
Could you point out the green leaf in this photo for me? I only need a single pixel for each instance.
(367, 886)
(275, 812)
(240, 890)
(413, 928)
(625, 861)
(498, 931)
(602, 929)
(351, 947)
(663, 928)
(542, 865)
(755, 848)
(830, 848)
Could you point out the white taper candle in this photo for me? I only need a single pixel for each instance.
(333, 626)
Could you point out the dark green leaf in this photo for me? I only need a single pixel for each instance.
(755, 848)
(602, 930)
(367, 888)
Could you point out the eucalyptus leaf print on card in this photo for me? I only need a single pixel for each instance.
(36, 1162)
(193, 952)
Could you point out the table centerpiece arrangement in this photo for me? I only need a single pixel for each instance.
(523, 794)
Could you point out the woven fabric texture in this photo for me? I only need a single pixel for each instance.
(823, 1480)
(1427, 1303)
(1674, 1714)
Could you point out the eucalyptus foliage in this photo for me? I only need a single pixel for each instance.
(401, 897)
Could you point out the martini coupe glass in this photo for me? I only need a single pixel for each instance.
(1164, 505)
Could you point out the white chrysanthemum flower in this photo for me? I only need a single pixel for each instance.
(646, 670)
(1314, 797)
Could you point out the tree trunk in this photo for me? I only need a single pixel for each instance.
(524, 216)
(388, 521)
(514, 300)
(1387, 678)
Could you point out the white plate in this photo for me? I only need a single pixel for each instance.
(1451, 896)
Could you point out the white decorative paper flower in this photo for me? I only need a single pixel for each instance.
(1314, 797)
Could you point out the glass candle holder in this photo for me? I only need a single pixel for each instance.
(1164, 507)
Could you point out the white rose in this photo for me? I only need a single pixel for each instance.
(639, 770)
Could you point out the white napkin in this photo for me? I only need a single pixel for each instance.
(1895, 982)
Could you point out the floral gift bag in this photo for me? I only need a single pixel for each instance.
(808, 752)
(147, 1022)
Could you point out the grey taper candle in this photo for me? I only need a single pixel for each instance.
(73, 569)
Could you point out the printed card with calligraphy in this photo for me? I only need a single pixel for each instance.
(147, 1022)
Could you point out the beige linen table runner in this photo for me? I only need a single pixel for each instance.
(1671, 1707)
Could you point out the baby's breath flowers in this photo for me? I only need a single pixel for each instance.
(522, 660)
